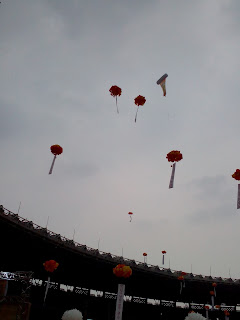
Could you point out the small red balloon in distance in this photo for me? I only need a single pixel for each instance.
(214, 284)
(236, 174)
(50, 265)
(212, 293)
(163, 252)
(144, 254)
(130, 215)
(115, 92)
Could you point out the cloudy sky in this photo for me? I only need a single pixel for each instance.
(58, 61)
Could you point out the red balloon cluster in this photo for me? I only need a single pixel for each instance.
(174, 156)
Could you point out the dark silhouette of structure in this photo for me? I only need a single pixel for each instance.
(84, 279)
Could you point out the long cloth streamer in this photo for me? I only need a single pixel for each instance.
(172, 176)
(51, 169)
(46, 291)
(238, 199)
(119, 303)
(207, 314)
(212, 302)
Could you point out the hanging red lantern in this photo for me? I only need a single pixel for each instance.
(173, 156)
(50, 265)
(163, 252)
(144, 257)
(56, 150)
(115, 92)
(139, 101)
(212, 298)
(122, 271)
(182, 283)
(130, 215)
(206, 308)
(236, 176)
(214, 288)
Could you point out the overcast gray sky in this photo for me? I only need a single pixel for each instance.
(58, 60)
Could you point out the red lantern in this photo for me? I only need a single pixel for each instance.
(130, 215)
(236, 176)
(50, 265)
(115, 91)
(56, 150)
(144, 257)
(173, 156)
(139, 101)
(163, 252)
(182, 283)
(214, 288)
(122, 271)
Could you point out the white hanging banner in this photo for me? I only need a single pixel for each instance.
(46, 291)
(119, 304)
(172, 176)
(207, 314)
(212, 302)
(238, 199)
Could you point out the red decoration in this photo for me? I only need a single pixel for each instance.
(214, 284)
(144, 254)
(122, 271)
(50, 265)
(226, 313)
(183, 273)
(206, 307)
(212, 293)
(163, 252)
(115, 91)
(56, 150)
(181, 278)
(130, 215)
(145, 257)
(174, 156)
(139, 101)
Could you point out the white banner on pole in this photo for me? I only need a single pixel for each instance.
(238, 199)
(119, 304)
(172, 176)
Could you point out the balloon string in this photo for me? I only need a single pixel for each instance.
(51, 169)
(136, 114)
(130, 218)
(117, 105)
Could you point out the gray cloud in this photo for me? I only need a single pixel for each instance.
(58, 61)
